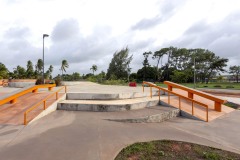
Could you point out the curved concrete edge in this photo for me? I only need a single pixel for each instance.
(156, 118)
(105, 107)
(50, 109)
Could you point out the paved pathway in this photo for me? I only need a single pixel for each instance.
(88, 135)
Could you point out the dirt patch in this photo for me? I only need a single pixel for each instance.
(172, 150)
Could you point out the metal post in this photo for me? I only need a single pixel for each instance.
(44, 35)
(194, 73)
(43, 62)
(44, 105)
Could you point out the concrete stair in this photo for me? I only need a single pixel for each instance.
(108, 105)
(135, 107)
(108, 96)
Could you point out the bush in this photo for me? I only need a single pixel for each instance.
(39, 81)
(217, 86)
(115, 82)
(58, 81)
(229, 86)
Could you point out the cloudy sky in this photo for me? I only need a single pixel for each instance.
(87, 32)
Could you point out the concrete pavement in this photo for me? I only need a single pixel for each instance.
(88, 135)
(75, 135)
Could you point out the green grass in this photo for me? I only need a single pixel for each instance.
(235, 86)
(171, 150)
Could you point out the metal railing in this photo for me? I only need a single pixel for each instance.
(176, 94)
(12, 97)
(191, 92)
(42, 102)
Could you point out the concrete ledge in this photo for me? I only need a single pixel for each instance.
(104, 107)
(50, 109)
(156, 118)
(108, 96)
(20, 84)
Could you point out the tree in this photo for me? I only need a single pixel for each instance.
(39, 67)
(235, 70)
(207, 63)
(3, 71)
(64, 66)
(20, 72)
(119, 65)
(48, 74)
(179, 77)
(145, 63)
(159, 55)
(150, 73)
(29, 72)
(94, 68)
(76, 76)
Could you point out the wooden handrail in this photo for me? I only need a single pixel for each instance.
(44, 103)
(217, 101)
(180, 96)
(12, 97)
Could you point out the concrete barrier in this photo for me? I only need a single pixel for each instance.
(21, 83)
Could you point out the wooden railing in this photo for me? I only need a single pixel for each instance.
(12, 97)
(191, 92)
(42, 102)
(176, 94)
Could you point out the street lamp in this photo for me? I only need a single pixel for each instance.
(44, 35)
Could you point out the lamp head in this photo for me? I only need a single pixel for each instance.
(45, 35)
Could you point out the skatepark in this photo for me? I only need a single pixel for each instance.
(92, 121)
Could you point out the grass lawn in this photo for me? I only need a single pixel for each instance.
(210, 85)
(172, 150)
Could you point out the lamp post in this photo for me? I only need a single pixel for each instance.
(194, 61)
(44, 35)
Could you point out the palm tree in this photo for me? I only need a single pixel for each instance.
(39, 66)
(64, 66)
(94, 68)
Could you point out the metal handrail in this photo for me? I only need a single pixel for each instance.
(180, 96)
(191, 92)
(12, 98)
(44, 103)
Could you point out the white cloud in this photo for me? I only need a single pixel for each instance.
(87, 32)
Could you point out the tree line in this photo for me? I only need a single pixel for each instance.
(181, 66)
(31, 71)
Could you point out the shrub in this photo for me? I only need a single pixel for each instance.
(58, 81)
(217, 86)
(229, 86)
(39, 81)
